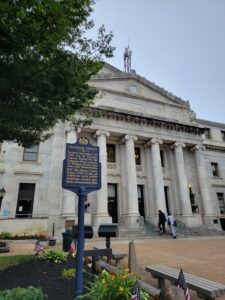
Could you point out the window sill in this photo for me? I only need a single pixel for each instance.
(30, 162)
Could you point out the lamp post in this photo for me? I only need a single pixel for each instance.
(192, 199)
(2, 194)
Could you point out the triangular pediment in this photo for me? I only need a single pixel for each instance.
(131, 92)
(111, 78)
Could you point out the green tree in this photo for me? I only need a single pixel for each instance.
(46, 61)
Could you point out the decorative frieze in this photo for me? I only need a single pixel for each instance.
(128, 117)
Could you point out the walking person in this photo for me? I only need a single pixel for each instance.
(171, 221)
(162, 222)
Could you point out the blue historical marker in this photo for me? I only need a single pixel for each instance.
(81, 175)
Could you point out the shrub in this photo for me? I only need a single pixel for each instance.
(54, 255)
(5, 235)
(113, 286)
(29, 293)
(68, 273)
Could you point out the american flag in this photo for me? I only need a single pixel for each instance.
(135, 292)
(181, 283)
(38, 248)
(72, 248)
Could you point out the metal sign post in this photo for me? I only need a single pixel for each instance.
(80, 243)
(81, 175)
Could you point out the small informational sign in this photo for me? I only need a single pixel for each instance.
(81, 166)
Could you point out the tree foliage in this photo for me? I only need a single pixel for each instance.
(45, 63)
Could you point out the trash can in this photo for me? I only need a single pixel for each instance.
(67, 239)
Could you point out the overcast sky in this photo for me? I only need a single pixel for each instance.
(178, 44)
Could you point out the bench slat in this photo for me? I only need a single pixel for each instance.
(187, 275)
(201, 285)
(191, 280)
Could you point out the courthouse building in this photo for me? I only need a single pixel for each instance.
(154, 153)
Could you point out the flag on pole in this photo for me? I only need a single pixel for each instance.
(72, 249)
(135, 292)
(181, 283)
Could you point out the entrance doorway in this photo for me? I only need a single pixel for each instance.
(222, 222)
(166, 191)
(141, 205)
(112, 202)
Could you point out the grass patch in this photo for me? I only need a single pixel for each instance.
(8, 261)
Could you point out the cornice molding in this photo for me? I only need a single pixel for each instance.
(153, 122)
(211, 123)
(214, 148)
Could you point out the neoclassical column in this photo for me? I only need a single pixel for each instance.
(132, 195)
(101, 209)
(70, 199)
(159, 193)
(203, 180)
(182, 179)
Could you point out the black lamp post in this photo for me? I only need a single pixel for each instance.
(2, 194)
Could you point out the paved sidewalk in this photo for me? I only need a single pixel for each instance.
(203, 256)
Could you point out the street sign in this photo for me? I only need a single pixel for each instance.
(81, 167)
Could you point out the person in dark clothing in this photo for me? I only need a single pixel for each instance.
(162, 222)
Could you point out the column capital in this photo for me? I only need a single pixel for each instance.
(101, 132)
(198, 147)
(178, 145)
(154, 141)
(128, 137)
(69, 131)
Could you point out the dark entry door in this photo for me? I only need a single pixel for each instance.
(112, 202)
(166, 191)
(222, 222)
(141, 205)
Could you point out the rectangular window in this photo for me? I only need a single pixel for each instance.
(162, 158)
(214, 167)
(223, 135)
(111, 153)
(30, 154)
(25, 200)
(137, 154)
(220, 197)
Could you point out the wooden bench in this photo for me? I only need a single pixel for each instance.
(117, 255)
(205, 289)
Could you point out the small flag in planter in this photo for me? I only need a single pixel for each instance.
(38, 248)
(72, 250)
(135, 293)
(181, 283)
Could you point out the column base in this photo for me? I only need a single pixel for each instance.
(99, 219)
(131, 220)
(212, 222)
(191, 220)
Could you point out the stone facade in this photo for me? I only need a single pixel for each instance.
(161, 157)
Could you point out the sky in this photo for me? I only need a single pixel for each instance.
(177, 44)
